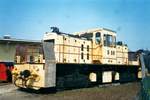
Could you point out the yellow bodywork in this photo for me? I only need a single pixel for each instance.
(70, 49)
(35, 80)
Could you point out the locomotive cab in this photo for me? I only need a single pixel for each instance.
(106, 48)
(103, 44)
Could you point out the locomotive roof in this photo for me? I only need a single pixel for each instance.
(93, 30)
(69, 35)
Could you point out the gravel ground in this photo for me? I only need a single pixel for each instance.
(120, 92)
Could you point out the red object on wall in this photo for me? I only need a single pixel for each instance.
(3, 74)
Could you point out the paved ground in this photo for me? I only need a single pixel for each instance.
(120, 92)
(6, 87)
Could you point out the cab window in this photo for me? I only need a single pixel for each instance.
(98, 38)
(109, 40)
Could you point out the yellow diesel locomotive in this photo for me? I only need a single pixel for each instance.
(80, 59)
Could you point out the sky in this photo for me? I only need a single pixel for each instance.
(30, 19)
